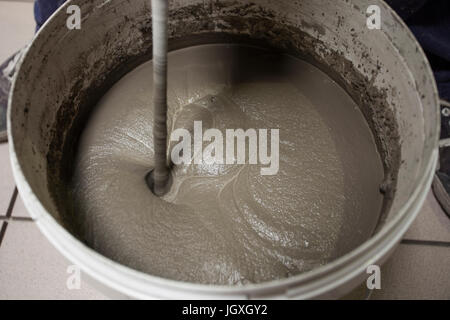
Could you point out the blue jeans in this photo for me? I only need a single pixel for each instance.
(429, 20)
(43, 9)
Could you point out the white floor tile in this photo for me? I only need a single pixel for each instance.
(432, 224)
(31, 268)
(17, 26)
(416, 272)
(7, 184)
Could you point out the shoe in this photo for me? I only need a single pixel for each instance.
(441, 183)
(7, 71)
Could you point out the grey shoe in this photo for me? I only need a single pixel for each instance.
(7, 71)
(441, 183)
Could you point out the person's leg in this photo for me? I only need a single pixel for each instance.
(43, 9)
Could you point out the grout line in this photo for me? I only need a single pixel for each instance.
(3, 231)
(10, 219)
(426, 243)
(11, 203)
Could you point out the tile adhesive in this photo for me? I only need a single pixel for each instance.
(228, 224)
